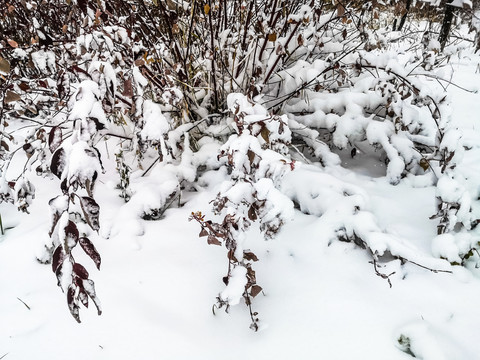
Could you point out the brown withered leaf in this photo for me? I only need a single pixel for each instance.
(11, 96)
(248, 255)
(12, 43)
(424, 164)
(4, 65)
(212, 240)
(251, 156)
(265, 134)
(203, 233)
(272, 37)
(256, 289)
(127, 88)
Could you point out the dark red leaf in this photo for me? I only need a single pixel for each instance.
(90, 250)
(72, 305)
(80, 271)
(55, 139)
(58, 257)
(71, 234)
(57, 212)
(89, 287)
(252, 212)
(82, 296)
(91, 212)
(58, 163)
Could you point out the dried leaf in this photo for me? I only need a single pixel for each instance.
(90, 250)
(212, 240)
(4, 145)
(206, 8)
(11, 96)
(424, 164)
(127, 88)
(248, 255)
(203, 233)
(12, 43)
(255, 290)
(272, 37)
(4, 66)
(251, 156)
(265, 133)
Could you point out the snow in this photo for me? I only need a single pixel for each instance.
(321, 296)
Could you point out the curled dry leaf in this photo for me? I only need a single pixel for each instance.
(12, 43)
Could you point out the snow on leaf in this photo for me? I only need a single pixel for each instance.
(58, 258)
(80, 271)
(72, 304)
(55, 139)
(71, 235)
(58, 205)
(89, 287)
(91, 212)
(212, 240)
(90, 250)
(58, 163)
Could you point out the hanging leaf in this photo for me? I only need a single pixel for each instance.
(90, 250)
(72, 304)
(80, 271)
(203, 233)
(212, 240)
(58, 258)
(89, 287)
(256, 289)
(82, 296)
(206, 8)
(55, 139)
(58, 206)
(91, 212)
(58, 163)
(71, 234)
(248, 255)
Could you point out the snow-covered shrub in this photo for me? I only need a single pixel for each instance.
(257, 159)
(178, 88)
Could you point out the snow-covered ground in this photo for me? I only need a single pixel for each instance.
(321, 299)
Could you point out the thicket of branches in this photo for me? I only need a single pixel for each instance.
(258, 89)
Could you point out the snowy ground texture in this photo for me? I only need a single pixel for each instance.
(321, 299)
